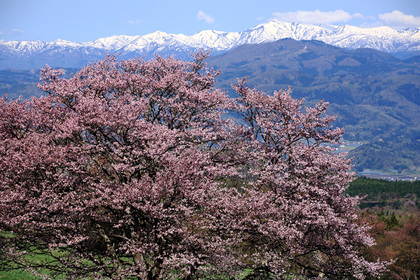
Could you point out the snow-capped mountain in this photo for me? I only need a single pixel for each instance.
(60, 53)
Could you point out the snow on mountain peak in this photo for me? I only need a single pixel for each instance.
(381, 38)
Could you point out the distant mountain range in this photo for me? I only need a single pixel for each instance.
(35, 54)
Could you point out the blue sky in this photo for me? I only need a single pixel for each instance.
(88, 20)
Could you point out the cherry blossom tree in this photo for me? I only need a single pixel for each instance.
(128, 169)
(302, 223)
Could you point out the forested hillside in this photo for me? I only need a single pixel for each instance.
(375, 95)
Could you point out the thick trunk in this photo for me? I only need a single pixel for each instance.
(154, 271)
(116, 264)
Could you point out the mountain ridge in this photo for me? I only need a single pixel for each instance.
(34, 54)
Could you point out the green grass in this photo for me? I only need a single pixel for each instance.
(17, 275)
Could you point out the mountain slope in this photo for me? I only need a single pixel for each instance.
(60, 53)
(375, 95)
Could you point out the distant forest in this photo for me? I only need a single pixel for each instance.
(381, 193)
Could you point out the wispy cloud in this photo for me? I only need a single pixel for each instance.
(129, 21)
(316, 17)
(203, 16)
(17, 31)
(133, 21)
(398, 19)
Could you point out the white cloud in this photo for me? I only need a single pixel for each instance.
(203, 16)
(358, 15)
(399, 20)
(316, 17)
